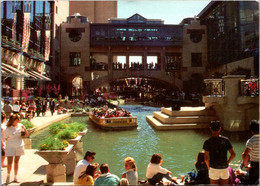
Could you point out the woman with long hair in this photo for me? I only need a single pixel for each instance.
(203, 174)
(131, 171)
(14, 144)
(88, 177)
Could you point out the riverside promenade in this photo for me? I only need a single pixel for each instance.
(32, 168)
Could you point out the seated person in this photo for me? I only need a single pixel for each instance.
(106, 178)
(87, 178)
(155, 173)
(201, 166)
(131, 171)
(82, 165)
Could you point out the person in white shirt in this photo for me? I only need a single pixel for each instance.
(155, 173)
(82, 165)
(16, 107)
(14, 144)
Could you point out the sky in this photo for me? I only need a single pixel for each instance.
(171, 11)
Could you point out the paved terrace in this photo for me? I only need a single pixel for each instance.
(31, 165)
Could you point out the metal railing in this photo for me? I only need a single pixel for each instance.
(249, 87)
(214, 87)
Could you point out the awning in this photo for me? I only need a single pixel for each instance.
(38, 75)
(9, 70)
(35, 77)
(32, 77)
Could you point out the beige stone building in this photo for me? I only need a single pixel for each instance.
(90, 51)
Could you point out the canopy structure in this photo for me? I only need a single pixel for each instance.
(8, 70)
(38, 75)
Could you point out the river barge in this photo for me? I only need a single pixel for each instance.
(115, 123)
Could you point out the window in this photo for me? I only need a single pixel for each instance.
(196, 59)
(56, 10)
(75, 35)
(75, 58)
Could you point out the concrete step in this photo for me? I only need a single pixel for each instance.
(188, 111)
(176, 126)
(163, 118)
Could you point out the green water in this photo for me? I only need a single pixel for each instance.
(179, 148)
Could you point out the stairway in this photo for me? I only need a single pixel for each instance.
(185, 118)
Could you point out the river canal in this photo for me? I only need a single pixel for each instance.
(179, 148)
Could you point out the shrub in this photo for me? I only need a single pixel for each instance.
(77, 127)
(27, 124)
(56, 127)
(53, 143)
(67, 134)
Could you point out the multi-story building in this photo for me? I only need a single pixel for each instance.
(95, 11)
(27, 39)
(233, 34)
(136, 47)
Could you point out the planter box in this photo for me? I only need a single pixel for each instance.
(55, 156)
(83, 133)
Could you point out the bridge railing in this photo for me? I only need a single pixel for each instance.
(214, 87)
(249, 87)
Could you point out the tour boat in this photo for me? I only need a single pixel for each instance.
(115, 123)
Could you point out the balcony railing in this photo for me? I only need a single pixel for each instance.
(249, 87)
(214, 87)
(11, 44)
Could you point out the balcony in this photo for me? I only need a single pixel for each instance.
(11, 44)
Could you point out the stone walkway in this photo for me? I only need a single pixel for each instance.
(32, 166)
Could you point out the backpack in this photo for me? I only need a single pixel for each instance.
(190, 178)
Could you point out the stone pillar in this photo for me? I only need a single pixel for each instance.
(127, 64)
(145, 60)
(56, 173)
(70, 162)
(234, 114)
(79, 151)
(27, 143)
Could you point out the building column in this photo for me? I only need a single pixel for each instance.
(110, 65)
(234, 114)
(127, 64)
(145, 60)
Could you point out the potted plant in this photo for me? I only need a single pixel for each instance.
(79, 127)
(57, 127)
(54, 150)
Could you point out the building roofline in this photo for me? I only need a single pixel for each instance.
(211, 5)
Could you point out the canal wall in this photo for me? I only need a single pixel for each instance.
(234, 111)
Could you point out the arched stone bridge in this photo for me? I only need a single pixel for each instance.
(110, 76)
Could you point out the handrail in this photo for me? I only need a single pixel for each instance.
(214, 87)
(249, 87)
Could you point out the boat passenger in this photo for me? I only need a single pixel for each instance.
(131, 171)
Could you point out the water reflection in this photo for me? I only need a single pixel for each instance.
(178, 147)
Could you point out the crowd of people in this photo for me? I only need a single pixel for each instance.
(105, 112)
(29, 108)
(212, 165)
